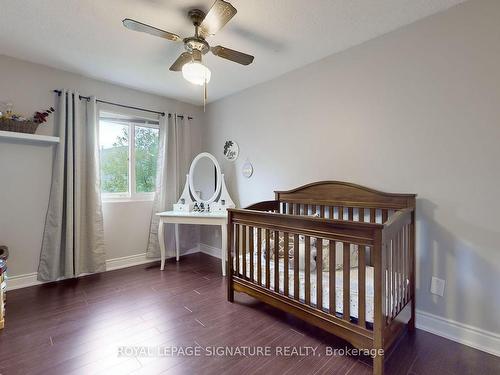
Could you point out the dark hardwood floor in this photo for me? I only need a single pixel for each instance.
(77, 327)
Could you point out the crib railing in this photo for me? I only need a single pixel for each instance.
(254, 255)
(341, 212)
(255, 234)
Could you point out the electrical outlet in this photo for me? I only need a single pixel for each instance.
(437, 286)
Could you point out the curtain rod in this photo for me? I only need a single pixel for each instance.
(58, 92)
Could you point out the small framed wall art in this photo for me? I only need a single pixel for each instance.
(247, 169)
(231, 150)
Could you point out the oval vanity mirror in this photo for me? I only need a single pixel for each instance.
(205, 178)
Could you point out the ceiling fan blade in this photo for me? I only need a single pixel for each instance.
(220, 14)
(185, 57)
(231, 54)
(142, 27)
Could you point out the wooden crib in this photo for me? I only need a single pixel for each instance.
(367, 301)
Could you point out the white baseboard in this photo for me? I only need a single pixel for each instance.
(22, 281)
(210, 250)
(128, 261)
(462, 333)
(30, 279)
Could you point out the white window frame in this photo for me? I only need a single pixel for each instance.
(132, 194)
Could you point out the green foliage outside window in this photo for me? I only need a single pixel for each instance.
(146, 153)
(114, 165)
(115, 162)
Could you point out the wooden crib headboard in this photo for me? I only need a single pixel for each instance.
(332, 193)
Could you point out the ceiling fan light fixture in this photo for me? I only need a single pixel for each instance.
(196, 73)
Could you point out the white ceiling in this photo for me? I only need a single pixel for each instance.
(87, 37)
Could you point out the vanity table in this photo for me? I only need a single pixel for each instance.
(201, 218)
(204, 201)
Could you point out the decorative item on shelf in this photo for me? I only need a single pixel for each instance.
(204, 177)
(231, 150)
(13, 122)
(247, 169)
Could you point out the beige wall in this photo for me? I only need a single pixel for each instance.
(416, 110)
(25, 170)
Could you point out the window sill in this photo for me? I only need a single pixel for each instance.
(126, 200)
(122, 198)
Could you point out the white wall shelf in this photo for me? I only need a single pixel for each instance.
(27, 138)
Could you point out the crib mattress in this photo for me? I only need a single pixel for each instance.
(339, 288)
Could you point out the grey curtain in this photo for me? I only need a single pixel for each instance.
(174, 158)
(73, 239)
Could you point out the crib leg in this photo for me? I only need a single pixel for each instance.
(230, 288)
(229, 257)
(411, 322)
(378, 365)
(230, 292)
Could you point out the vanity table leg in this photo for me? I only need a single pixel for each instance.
(223, 229)
(177, 242)
(161, 240)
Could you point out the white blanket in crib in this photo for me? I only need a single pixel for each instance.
(326, 277)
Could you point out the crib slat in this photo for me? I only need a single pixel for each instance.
(372, 215)
(259, 256)
(389, 281)
(306, 209)
(251, 250)
(319, 273)
(236, 249)
(296, 266)
(331, 211)
(350, 214)
(341, 213)
(411, 262)
(398, 273)
(361, 215)
(322, 211)
(268, 259)
(361, 286)
(393, 277)
(346, 281)
(286, 244)
(385, 215)
(400, 264)
(276, 261)
(331, 269)
(307, 269)
(290, 208)
(400, 270)
(405, 262)
(244, 250)
(396, 281)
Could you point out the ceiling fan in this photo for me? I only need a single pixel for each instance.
(205, 25)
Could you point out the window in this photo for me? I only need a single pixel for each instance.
(129, 150)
